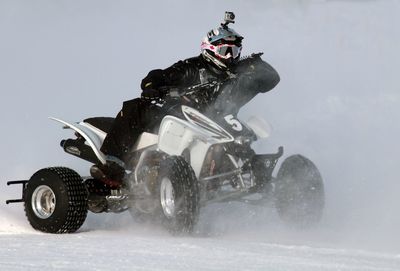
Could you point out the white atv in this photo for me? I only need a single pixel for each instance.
(192, 161)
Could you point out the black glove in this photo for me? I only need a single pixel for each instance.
(153, 80)
(248, 64)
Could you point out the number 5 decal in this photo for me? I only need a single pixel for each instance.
(236, 125)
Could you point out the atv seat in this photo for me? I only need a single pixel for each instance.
(102, 123)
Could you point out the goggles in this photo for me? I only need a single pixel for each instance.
(224, 50)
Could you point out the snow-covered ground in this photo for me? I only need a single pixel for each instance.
(338, 103)
(116, 251)
(118, 243)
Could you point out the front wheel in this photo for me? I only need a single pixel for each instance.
(299, 192)
(178, 195)
(56, 200)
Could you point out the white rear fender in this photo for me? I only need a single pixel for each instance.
(94, 138)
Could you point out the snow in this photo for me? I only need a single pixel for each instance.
(146, 252)
(122, 244)
(338, 103)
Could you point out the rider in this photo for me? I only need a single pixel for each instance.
(240, 80)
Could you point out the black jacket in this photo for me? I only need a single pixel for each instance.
(236, 87)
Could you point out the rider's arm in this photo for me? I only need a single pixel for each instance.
(182, 73)
(256, 75)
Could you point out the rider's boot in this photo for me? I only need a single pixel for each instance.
(111, 173)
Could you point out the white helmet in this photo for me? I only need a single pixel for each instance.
(222, 45)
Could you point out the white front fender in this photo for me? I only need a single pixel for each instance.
(177, 136)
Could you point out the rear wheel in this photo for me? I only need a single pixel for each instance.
(56, 200)
(299, 192)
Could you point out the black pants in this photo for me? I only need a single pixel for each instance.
(137, 116)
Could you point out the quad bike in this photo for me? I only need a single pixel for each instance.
(191, 162)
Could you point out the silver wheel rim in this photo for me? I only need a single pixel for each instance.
(43, 201)
(167, 197)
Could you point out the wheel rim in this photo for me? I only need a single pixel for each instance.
(167, 197)
(43, 201)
